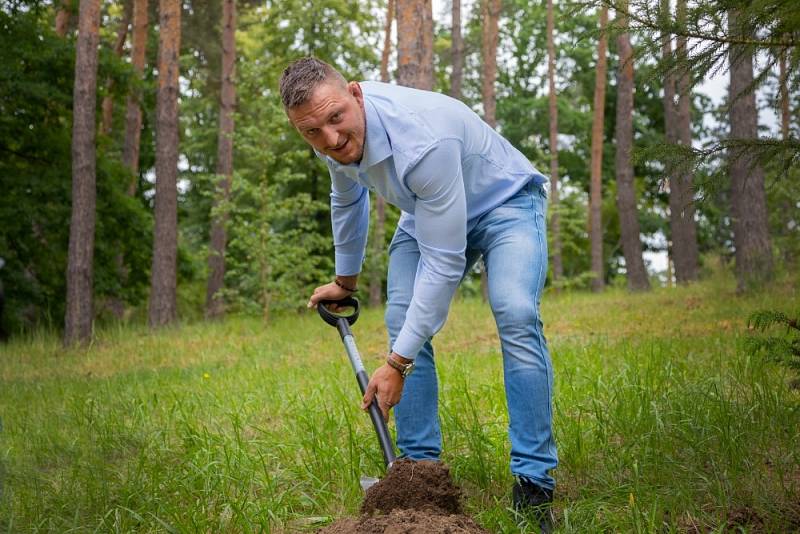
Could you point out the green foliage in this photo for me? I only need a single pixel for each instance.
(276, 257)
(784, 348)
(35, 141)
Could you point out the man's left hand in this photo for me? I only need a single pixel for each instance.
(387, 385)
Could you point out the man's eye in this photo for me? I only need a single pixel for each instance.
(312, 132)
(336, 117)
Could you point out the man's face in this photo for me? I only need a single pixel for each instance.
(333, 121)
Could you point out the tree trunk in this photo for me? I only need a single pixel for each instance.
(376, 276)
(133, 115)
(555, 230)
(748, 197)
(79, 312)
(219, 237)
(626, 191)
(415, 43)
(490, 10)
(595, 192)
(119, 44)
(491, 15)
(684, 228)
(457, 51)
(387, 41)
(784, 94)
(165, 236)
(63, 17)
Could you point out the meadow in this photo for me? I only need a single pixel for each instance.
(663, 422)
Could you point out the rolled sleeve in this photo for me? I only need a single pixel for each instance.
(440, 215)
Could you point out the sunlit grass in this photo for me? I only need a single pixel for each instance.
(662, 422)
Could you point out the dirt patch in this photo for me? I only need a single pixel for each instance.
(413, 498)
(745, 517)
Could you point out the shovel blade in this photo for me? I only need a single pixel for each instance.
(367, 482)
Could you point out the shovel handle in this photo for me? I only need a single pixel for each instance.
(342, 324)
(333, 318)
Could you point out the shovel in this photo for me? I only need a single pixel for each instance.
(342, 324)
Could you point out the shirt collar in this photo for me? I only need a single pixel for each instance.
(376, 143)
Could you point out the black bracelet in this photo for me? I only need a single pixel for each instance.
(338, 283)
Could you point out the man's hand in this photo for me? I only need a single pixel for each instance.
(333, 291)
(387, 385)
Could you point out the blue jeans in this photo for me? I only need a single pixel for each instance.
(513, 241)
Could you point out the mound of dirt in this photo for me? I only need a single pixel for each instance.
(414, 485)
(406, 522)
(413, 498)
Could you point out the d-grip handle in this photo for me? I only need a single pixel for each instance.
(333, 318)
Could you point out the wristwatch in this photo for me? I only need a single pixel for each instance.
(404, 369)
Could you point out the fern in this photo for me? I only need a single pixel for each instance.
(784, 349)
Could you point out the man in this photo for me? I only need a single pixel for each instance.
(464, 192)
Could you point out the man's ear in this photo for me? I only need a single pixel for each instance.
(354, 88)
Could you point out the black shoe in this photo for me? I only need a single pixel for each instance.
(530, 498)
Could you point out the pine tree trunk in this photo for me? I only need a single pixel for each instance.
(457, 51)
(119, 45)
(378, 238)
(79, 312)
(63, 17)
(783, 81)
(387, 41)
(490, 10)
(415, 43)
(626, 192)
(684, 228)
(595, 191)
(165, 237)
(555, 229)
(378, 235)
(491, 15)
(133, 115)
(748, 197)
(215, 306)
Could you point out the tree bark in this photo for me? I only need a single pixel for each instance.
(626, 192)
(387, 41)
(595, 191)
(489, 37)
(415, 44)
(133, 115)
(378, 235)
(457, 51)
(165, 238)
(783, 81)
(63, 17)
(748, 196)
(490, 10)
(79, 312)
(215, 305)
(119, 44)
(684, 228)
(555, 229)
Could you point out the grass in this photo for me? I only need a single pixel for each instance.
(663, 423)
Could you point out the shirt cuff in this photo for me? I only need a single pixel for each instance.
(347, 263)
(408, 344)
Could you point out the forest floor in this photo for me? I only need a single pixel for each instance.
(662, 420)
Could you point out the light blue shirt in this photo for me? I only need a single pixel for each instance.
(436, 160)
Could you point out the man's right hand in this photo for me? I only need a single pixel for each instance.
(329, 291)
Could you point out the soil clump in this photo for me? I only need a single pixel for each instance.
(415, 497)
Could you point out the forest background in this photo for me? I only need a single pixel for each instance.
(165, 197)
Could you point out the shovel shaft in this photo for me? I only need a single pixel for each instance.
(385, 440)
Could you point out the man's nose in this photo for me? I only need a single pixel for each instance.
(331, 137)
